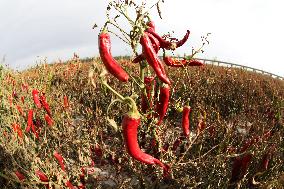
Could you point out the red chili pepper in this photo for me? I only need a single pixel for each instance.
(153, 59)
(130, 125)
(176, 144)
(169, 61)
(20, 175)
(240, 167)
(201, 126)
(35, 130)
(173, 62)
(66, 103)
(147, 100)
(20, 110)
(42, 177)
(167, 44)
(151, 25)
(30, 120)
(23, 99)
(48, 120)
(36, 98)
(163, 103)
(266, 158)
(69, 185)
(163, 43)
(17, 128)
(183, 40)
(156, 46)
(194, 62)
(59, 159)
(186, 120)
(45, 104)
(110, 63)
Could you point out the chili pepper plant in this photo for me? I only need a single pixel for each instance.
(146, 121)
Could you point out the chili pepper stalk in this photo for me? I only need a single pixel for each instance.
(130, 124)
(110, 63)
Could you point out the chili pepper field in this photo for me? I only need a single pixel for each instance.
(235, 136)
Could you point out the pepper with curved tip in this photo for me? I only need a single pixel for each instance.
(163, 103)
(45, 104)
(185, 120)
(130, 124)
(167, 44)
(36, 98)
(59, 159)
(156, 45)
(152, 58)
(110, 63)
(183, 40)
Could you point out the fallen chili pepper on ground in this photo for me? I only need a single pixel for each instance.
(163, 103)
(130, 124)
(36, 98)
(186, 120)
(153, 59)
(110, 63)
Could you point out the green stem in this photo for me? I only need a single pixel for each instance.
(112, 90)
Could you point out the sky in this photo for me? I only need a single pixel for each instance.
(246, 32)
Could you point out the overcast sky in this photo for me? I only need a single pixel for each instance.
(247, 32)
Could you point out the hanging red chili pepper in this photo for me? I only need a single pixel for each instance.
(156, 46)
(147, 101)
(173, 62)
(130, 124)
(69, 185)
(20, 110)
(163, 103)
(66, 103)
(153, 59)
(194, 62)
(186, 120)
(59, 159)
(35, 130)
(169, 61)
(42, 177)
(23, 99)
(201, 126)
(167, 44)
(151, 25)
(48, 120)
(20, 175)
(36, 98)
(45, 104)
(110, 63)
(17, 128)
(240, 167)
(30, 120)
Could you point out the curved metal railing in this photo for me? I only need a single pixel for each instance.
(233, 65)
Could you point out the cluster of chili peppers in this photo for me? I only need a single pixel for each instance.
(151, 43)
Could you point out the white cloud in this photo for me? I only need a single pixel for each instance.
(243, 32)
